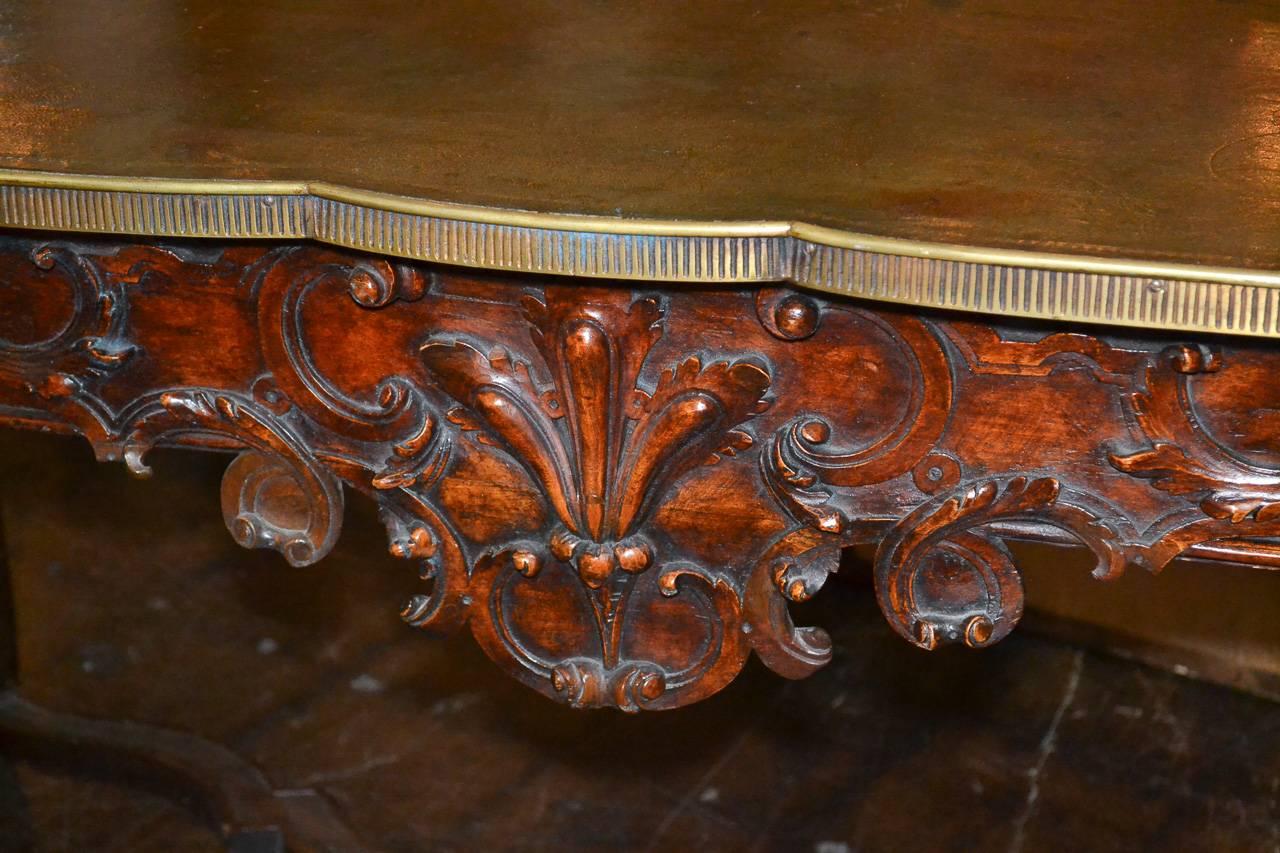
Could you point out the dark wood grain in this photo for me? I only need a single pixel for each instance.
(619, 489)
(1132, 128)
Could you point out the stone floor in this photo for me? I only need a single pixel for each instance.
(134, 603)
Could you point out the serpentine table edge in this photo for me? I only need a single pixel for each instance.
(618, 454)
(553, 451)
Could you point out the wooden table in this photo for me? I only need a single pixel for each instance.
(630, 317)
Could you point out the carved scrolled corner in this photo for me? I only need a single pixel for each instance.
(275, 495)
(265, 504)
(940, 578)
(792, 570)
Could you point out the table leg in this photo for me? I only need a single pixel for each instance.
(8, 623)
(250, 814)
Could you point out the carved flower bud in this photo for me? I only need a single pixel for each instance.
(526, 563)
(578, 685)
(562, 544)
(815, 432)
(595, 568)
(417, 543)
(978, 632)
(797, 591)
(365, 289)
(651, 686)
(926, 635)
(43, 257)
(633, 557)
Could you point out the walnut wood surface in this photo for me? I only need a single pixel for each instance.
(619, 489)
(1129, 128)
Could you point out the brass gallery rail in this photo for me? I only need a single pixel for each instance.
(1131, 293)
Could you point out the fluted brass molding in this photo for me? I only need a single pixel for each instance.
(992, 281)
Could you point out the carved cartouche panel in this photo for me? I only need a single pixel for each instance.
(617, 488)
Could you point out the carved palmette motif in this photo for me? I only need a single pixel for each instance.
(619, 490)
(602, 451)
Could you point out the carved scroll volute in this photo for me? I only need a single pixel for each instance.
(392, 408)
(938, 580)
(792, 569)
(276, 495)
(801, 471)
(266, 504)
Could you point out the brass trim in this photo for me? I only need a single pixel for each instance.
(1007, 282)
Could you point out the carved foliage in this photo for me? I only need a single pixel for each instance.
(604, 451)
(276, 495)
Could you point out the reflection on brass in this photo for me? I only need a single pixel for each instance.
(1005, 282)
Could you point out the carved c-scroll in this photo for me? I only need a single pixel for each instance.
(800, 473)
(275, 496)
(1231, 497)
(1183, 459)
(64, 369)
(941, 579)
(396, 406)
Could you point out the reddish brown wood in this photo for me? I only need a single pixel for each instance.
(619, 488)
